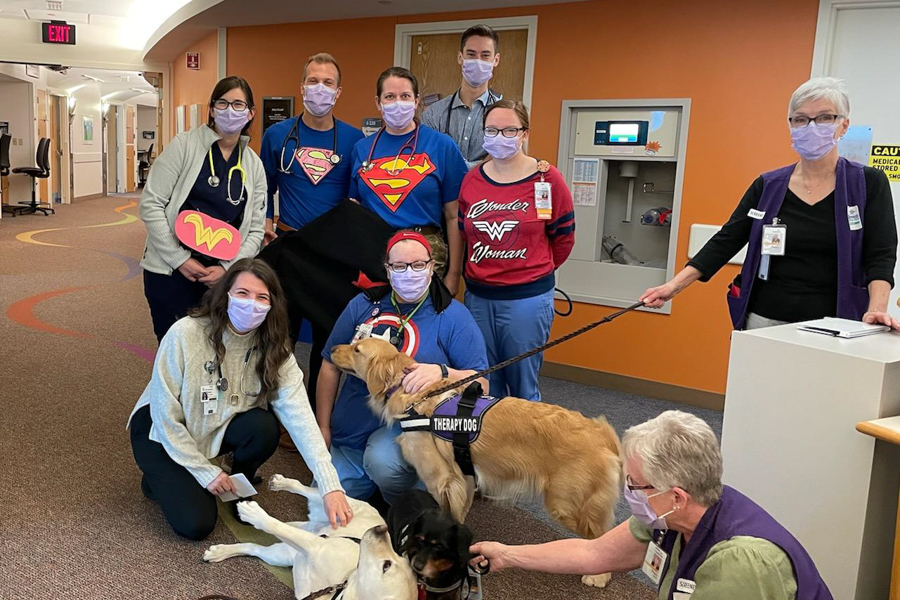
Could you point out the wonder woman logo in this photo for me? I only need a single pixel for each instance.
(393, 179)
(207, 235)
(315, 162)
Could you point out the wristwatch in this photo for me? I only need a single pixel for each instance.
(444, 372)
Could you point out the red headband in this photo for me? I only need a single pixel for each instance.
(408, 235)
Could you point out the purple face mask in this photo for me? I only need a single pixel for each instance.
(477, 71)
(318, 99)
(814, 141)
(229, 121)
(643, 512)
(398, 114)
(501, 147)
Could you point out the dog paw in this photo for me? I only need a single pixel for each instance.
(252, 513)
(278, 482)
(217, 553)
(599, 581)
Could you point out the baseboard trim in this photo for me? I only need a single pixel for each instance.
(90, 197)
(634, 385)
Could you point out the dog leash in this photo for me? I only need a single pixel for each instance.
(456, 384)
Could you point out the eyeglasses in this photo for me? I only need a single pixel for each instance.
(509, 132)
(237, 105)
(629, 482)
(400, 267)
(803, 121)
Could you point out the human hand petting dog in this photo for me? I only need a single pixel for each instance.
(337, 509)
(495, 553)
(419, 376)
(221, 484)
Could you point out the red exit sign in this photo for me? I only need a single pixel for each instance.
(58, 33)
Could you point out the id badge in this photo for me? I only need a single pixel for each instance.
(475, 592)
(208, 393)
(655, 563)
(363, 331)
(853, 218)
(211, 407)
(543, 199)
(773, 240)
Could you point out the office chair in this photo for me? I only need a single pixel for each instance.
(41, 171)
(5, 140)
(145, 165)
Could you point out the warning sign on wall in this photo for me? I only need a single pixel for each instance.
(887, 159)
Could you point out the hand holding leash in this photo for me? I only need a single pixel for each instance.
(489, 556)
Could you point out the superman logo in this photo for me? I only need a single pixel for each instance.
(393, 179)
(315, 162)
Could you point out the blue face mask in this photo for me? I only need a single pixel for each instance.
(246, 314)
(814, 141)
(643, 512)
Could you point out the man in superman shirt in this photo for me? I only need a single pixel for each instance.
(316, 181)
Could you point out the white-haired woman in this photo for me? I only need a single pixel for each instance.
(821, 232)
(697, 538)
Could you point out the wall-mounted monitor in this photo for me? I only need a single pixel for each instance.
(621, 133)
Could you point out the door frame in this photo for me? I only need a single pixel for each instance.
(826, 26)
(404, 33)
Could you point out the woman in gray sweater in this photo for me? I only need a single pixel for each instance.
(219, 376)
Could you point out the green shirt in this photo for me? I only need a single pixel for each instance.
(740, 568)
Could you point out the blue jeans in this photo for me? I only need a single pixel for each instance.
(380, 464)
(511, 327)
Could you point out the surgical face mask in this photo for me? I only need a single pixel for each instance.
(643, 512)
(246, 314)
(410, 285)
(318, 99)
(501, 147)
(477, 71)
(229, 121)
(814, 141)
(398, 114)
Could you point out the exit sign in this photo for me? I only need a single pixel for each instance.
(57, 32)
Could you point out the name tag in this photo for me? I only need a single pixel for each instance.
(685, 585)
(756, 214)
(455, 424)
(774, 239)
(654, 563)
(853, 218)
(543, 200)
(208, 393)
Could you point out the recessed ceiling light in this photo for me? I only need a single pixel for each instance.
(384, 1)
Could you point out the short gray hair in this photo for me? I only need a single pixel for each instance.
(677, 449)
(822, 88)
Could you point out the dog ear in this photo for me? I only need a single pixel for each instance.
(381, 373)
(463, 539)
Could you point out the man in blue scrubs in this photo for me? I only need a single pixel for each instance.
(307, 161)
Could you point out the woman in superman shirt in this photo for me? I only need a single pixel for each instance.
(409, 174)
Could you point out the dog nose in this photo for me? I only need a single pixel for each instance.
(381, 530)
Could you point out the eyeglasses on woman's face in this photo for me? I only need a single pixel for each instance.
(400, 267)
(509, 132)
(798, 121)
(236, 105)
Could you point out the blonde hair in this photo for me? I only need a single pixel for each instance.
(322, 58)
(517, 106)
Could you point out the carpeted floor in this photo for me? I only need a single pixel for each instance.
(76, 345)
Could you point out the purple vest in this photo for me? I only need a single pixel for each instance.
(850, 190)
(735, 515)
(445, 423)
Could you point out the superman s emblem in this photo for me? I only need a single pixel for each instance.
(393, 179)
(315, 162)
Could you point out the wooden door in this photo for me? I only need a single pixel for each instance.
(129, 148)
(43, 132)
(433, 61)
(112, 151)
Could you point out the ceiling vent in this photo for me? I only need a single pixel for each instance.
(56, 5)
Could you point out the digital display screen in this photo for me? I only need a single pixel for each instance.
(623, 133)
(58, 33)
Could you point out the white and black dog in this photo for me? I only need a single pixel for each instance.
(358, 557)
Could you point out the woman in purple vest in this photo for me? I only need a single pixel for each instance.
(696, 538)
(832, 250)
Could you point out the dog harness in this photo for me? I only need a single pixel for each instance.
(456, 420)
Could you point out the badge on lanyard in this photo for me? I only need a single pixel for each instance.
(774, 239)
(655, 563)
(208, 393)
(853, 218)
(363, 331)
(543, 200)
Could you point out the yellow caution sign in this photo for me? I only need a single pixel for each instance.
(887, 159)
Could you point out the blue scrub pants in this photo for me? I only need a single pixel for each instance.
(511, 327)
(380, 464)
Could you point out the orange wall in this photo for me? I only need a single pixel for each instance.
(737, 61)
(194, 86)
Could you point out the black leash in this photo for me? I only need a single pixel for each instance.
(532, 352)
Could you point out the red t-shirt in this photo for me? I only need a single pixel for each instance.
(510, 252)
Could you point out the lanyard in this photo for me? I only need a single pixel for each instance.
(395, 340)
(294, 134)
(410, 143)
(214, 181)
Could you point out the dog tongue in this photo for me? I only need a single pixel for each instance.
(422, 592)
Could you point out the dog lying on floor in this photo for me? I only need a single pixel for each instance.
(436, 545)
(358, 557)
(525, 449)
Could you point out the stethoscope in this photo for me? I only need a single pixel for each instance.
(492, 97)
(222, 382)
(213, 180)
(409, 143)
(294, 134)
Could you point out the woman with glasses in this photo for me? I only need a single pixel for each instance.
(418, 315)
(518, 224)
(821, 232)
(409, 174)
(204, 206)
(220, 379)
(693, 537)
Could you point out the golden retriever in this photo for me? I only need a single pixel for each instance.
(526, 449)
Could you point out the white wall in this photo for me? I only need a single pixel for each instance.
(87, 157)
(16, 103)
(146, 121)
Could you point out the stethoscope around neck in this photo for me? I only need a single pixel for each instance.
(222, 382)
(294, 134)
(214, 181)
(410, 144)
(492, 97)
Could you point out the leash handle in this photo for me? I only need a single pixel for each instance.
(532, 352)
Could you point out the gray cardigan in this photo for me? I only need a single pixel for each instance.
(170, 181)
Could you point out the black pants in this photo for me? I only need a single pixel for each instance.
(170, 298)
(189, 508)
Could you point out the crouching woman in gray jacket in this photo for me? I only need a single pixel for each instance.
(219, 376)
